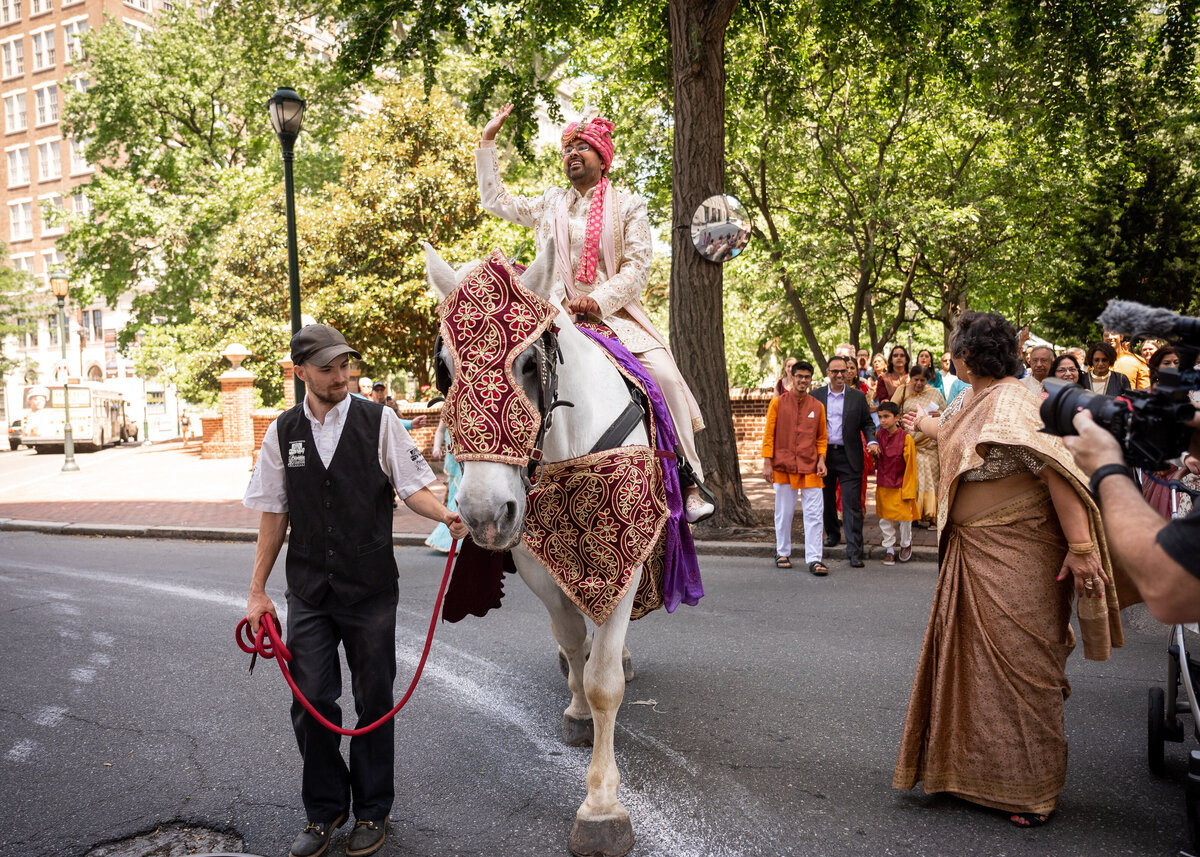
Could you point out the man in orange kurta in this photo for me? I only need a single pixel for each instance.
(794, 446)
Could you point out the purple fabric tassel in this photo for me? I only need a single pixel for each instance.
(681, 573)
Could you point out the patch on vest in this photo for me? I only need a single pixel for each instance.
(296, 454)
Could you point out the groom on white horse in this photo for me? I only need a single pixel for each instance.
(604, 252)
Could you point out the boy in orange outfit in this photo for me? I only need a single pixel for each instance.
(794, 446)
(895, 483)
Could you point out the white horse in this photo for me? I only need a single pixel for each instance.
(492, 502)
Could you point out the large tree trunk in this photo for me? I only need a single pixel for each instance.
(698, 170)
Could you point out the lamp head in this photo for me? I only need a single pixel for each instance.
(287, 114)
(59, 284)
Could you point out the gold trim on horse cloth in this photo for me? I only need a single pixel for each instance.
(591, 521)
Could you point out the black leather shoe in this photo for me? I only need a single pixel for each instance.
(856, 563)
(314, 838)
(366, 838)
(832, 541)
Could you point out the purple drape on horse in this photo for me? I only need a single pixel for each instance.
(681, 572)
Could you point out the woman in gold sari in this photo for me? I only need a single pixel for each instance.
(919, 394)
(1020, 540)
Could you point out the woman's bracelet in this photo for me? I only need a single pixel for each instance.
(1081, 548)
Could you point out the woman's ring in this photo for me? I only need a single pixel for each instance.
(1089, 583)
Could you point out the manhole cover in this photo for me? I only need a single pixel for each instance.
(173, 840)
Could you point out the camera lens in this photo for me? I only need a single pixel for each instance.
(1064, 400)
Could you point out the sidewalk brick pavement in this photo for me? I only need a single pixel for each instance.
(169, 485)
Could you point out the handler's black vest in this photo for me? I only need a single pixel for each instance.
(341, 517)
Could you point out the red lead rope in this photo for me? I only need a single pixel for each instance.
(267, 644)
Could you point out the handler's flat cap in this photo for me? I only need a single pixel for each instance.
(320, 345)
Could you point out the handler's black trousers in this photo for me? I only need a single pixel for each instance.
(367, 630)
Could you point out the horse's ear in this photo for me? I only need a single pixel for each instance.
(440, 276)
(539, 276)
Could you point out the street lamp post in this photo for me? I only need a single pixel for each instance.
(59, 284)
(287, 115)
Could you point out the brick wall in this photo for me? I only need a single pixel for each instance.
(749, 407)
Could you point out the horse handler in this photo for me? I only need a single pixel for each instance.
(328, 466)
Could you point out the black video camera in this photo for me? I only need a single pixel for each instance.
(1151, 426)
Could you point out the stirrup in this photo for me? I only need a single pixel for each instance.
(687, 477)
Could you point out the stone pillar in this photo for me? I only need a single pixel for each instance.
(237, 401)
(289, 382)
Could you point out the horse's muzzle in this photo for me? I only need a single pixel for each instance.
(496, 528)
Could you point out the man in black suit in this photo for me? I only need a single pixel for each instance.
(848, 419)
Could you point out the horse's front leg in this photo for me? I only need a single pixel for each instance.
(602, 825)
(570, 632)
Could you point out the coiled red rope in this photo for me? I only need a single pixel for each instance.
(268, 644)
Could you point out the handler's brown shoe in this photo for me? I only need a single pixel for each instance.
(314, 838)
(367, 837)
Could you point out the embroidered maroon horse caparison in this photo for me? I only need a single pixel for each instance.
(591, 521)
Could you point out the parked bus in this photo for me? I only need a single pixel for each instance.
(97, 418)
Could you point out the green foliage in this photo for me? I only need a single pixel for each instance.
(408, 177)
(18, 300)
(176, 120)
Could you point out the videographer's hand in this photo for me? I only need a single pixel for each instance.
(1094, 447)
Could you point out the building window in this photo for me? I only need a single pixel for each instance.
(10, 11)
(23, 262)
(18, 166)
(20, 216)
(49, 160)
(79, 163)
(80, 204)
(15, 114)
(98, 325)
(12, 57)
(47, 104)
(37, 7)
(51, 225)
(140, 5)
(27, 332)
(73, 40)
(53, 260)
(43, 50)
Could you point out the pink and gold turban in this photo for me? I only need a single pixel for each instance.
(597, 133)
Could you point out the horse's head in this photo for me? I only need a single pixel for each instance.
(498, 362)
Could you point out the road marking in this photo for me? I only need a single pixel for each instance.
(50, 716)
(21, 751)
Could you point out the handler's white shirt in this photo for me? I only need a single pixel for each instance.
(399, 458)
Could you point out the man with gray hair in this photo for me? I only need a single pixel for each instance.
(1040, 359)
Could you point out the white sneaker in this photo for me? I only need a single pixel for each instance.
(697, 509)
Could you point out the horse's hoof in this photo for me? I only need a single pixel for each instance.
(610, 837)
(578, 731)
(627, 667)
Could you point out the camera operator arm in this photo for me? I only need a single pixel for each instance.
(1132, 527)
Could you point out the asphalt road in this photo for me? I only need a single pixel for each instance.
(763, 722)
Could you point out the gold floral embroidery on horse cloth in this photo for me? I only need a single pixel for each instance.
(591, 521)
(487, 321)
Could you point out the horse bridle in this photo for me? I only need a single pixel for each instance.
(548, 356)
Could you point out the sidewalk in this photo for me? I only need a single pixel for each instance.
(168, 491)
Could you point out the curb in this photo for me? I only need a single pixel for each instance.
(246, 534)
